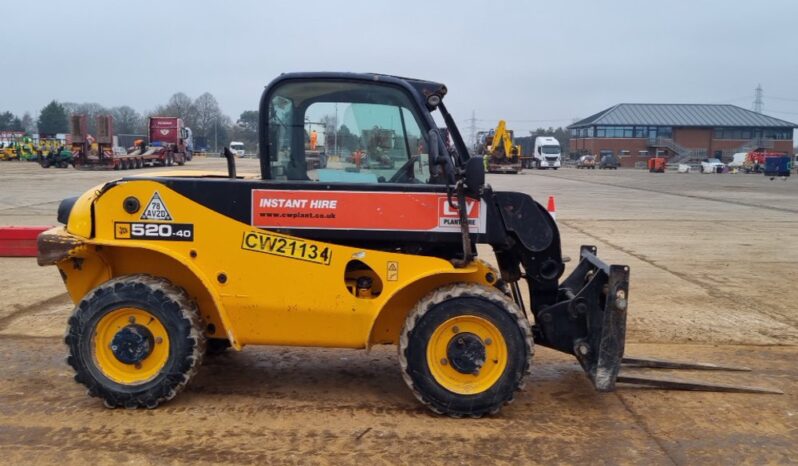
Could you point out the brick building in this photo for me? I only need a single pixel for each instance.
(681, 132)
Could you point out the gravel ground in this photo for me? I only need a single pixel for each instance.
(713, 260)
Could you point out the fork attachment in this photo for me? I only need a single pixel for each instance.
(668, 383)
(589, 318)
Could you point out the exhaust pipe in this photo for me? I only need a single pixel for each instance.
(231, 162)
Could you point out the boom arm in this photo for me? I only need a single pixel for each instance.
(502, 142)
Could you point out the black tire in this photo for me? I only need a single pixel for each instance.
(175, 312)
(450, 302)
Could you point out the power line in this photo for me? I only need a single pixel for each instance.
(472, 137)
(519, 120)
(758, 105)
(735, 99)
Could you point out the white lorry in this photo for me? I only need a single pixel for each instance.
(237, 148)
(547, 153)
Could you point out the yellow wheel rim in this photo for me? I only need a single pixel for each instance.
(445, 355)
(103, 342)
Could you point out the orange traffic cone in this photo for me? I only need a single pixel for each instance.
(552, 208)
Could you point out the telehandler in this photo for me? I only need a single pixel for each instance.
(165, 269)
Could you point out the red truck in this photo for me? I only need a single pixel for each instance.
(169, 143)
(172, 137)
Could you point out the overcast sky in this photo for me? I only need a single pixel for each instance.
(533, 63)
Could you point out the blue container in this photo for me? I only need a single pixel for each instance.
(777, 166)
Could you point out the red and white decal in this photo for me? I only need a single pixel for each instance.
(363, 210)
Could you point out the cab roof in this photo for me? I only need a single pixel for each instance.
(424, 87)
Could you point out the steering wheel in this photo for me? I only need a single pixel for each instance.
(404, 173)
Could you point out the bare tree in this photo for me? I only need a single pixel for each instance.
(28, 123)
(126, 120)
(90, 109)
(179, 105)
(208, 117)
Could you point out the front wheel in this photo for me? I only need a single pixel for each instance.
(135, 341)
(465, 349)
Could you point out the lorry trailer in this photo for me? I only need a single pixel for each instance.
(168, 144)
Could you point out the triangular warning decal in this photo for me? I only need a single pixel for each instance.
(156, 209)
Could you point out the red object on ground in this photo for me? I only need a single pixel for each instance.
(757, 157)
(552, 208)
(657, 164)
(19, 241)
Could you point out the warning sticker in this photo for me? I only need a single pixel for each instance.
(156, 209)
(393, 271)
(363, 210)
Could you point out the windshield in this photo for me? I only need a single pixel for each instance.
(551, 149)
(340, 131)
(237, 146)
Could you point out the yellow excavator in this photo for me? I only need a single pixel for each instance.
(496, 146)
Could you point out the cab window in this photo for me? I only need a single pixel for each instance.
(347, 132)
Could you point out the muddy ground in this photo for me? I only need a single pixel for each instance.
(713, 260)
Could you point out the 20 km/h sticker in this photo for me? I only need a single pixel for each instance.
(154, 231)
(287, 247)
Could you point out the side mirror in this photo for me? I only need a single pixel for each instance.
(474, 176)
(434, 146)
(438, 158)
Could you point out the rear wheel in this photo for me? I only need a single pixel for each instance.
(135, 341)
(465, 350)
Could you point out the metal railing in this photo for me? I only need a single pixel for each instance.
(683, 154)
(756, 143)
